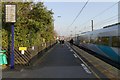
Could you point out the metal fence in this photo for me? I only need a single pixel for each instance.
(30, 55)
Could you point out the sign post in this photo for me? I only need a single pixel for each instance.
(10, 17)
(22, 49)
(12, 54)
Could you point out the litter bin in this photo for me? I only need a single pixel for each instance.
(3, 59)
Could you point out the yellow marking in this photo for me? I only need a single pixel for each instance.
(22, 48)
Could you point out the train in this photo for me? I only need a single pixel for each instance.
(104, 42)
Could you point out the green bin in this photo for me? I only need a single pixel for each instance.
(3, 59)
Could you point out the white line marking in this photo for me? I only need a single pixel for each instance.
(68, 46)
(71, 50)
(75, 55)
(86, 69)
(80, 58)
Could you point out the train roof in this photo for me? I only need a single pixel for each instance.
(112, 25)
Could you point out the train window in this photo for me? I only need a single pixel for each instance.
(92, 41)
(87, 41)
(96, 41)
(116, 41)
(105, 41)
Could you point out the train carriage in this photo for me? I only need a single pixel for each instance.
(105, 42)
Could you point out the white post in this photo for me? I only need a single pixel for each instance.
(22, 51)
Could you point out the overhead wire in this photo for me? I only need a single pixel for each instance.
(109, 21)
(116, 17)
(113, 18)
(78, 13)
(101, 13)
(106, 20)
(92, 17)
(104, 24)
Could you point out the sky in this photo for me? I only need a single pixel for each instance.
(105, 15)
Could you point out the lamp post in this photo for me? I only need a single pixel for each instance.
(59, 17)
(75, 33)
(71, 34)
(92, 24)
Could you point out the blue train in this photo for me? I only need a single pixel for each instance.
(105, 41)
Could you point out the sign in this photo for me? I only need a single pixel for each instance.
(10, 17)
(22, 48)
(10, 13)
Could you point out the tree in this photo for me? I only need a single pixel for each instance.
(32, 25)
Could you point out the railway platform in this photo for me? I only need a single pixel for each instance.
(64, 62)
(110, 71)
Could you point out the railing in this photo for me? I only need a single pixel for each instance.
(30, 55)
